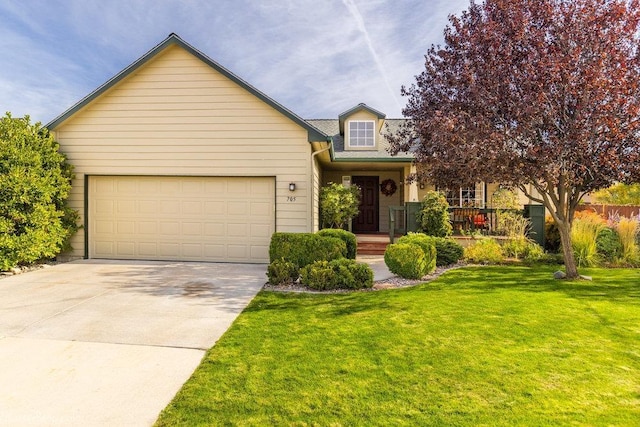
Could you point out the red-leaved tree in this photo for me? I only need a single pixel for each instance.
(540, 94)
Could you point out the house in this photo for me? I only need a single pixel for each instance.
(177, 158)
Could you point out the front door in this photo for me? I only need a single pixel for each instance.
(368, 219)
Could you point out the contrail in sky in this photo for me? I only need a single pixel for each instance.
(355, 12)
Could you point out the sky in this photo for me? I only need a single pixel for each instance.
(318, 58)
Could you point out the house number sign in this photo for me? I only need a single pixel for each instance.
(291, 199)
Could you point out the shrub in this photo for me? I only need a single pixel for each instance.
(35, 180)
(281, 272)
(433, 217)
(448, 251)
(305, 248)
(428, 246)
(484, 251)
(535, 254)
(627, 229)
(516, 247)
(511, 223)
(608, 244)
(584, 233)
(338, 204)
(406, 260)
(551, 235)
(349, 239)
(337, 274)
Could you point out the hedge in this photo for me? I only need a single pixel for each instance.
(349, 239)
(305, 248)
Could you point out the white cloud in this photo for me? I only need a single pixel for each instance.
(316, 58)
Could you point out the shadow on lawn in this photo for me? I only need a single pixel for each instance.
(607, 284)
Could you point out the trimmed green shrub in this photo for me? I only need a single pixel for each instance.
(485, 251)
(448, 251)
(433, 217)
(349, 239)
(428, 246)
(406, 260)
(608, 245)
(35, 181)
(281, 272)
(337, 274)
(305, 248)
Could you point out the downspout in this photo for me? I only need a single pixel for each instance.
(312, 187)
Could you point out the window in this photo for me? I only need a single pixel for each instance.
(361, 134)
(472, 197)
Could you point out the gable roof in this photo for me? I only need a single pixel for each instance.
(313, 133)
(343, 116)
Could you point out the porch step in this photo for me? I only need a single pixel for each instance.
(372, 248)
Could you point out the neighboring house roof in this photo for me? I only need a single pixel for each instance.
(332, 128)
(314, 134)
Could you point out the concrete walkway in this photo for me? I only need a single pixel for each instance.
(376, 262)
(97, 343)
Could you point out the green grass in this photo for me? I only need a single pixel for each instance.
(496, 346)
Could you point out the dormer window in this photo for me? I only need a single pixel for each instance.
(361, 133)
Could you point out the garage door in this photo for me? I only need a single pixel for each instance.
(181, 218)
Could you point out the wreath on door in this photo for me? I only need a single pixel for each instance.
(388, 187)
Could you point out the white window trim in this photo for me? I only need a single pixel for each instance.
(361, 147)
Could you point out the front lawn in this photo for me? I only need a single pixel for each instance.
(479, 346)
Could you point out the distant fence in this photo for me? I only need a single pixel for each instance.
(606, 210)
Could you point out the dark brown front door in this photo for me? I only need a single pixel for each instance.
(368, 218)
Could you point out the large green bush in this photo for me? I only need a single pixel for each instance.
(406, 260)
(338, 205)
(433, 217)
(428, 246)
(305, 248)
(35, 180)
(349, 239)
(337, 274)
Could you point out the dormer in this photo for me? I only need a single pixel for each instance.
(361, 128)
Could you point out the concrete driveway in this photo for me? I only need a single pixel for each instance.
(110, 342)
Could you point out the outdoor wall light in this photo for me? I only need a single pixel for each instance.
(292, 186)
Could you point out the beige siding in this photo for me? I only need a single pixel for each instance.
(178, 116)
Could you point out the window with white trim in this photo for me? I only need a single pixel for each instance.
(361, 133)
(463, 197)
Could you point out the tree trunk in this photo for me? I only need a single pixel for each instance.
(567, 250)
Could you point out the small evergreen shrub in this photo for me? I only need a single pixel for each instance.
(433, 217)
(305, 248)
(406, 260)
(348, 238)
(485, 251)
(536, 254)
(448, 251)
(337, 274)
(281, 272)
(428, 246)
(608, 245)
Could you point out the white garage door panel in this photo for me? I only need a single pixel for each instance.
(181, 218)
